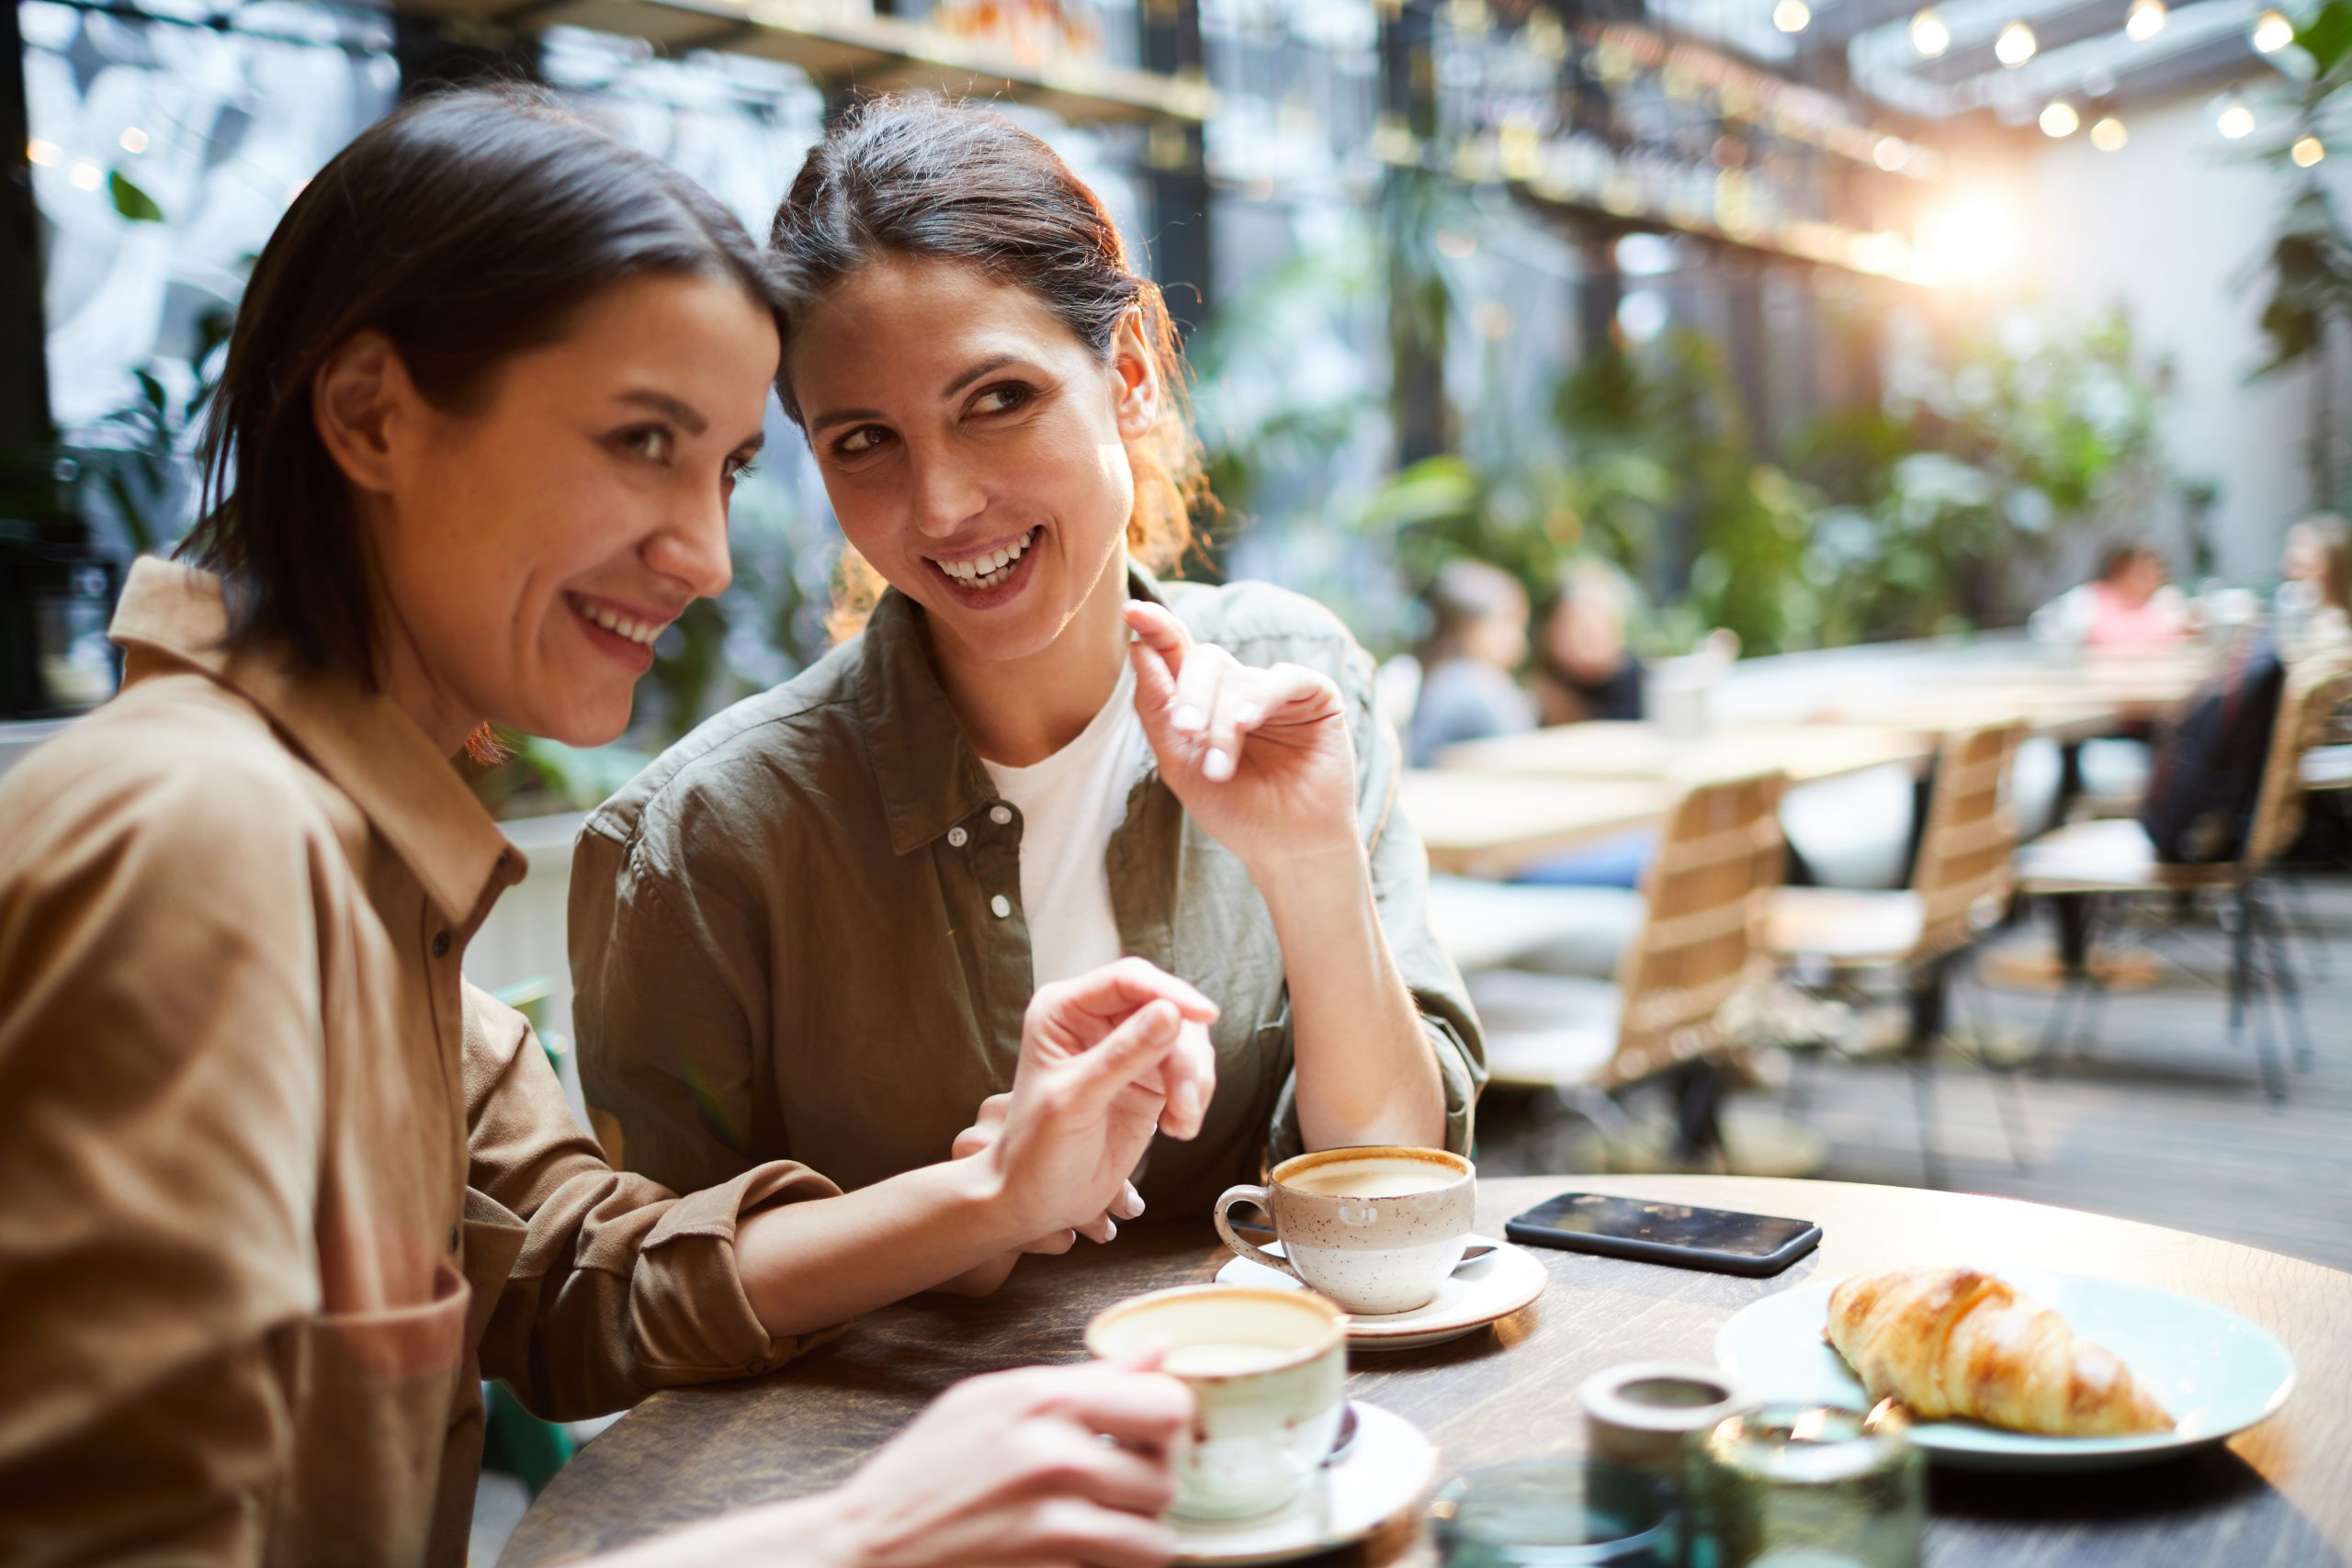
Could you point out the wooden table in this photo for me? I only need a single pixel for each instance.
(2279, 1494)
(1619, 748)
(1492, 825)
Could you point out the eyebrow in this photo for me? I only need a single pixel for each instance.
(992, 364)
(663, 402)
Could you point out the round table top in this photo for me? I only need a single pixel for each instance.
(2279, 1493)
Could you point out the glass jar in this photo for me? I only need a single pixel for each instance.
(1557, 1513)
(1813, 1486)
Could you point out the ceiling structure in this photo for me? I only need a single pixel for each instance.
(2083, 54)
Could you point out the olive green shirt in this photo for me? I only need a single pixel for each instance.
(799, 934)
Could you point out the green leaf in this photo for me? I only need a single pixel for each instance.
(131, 201)
(2327, 36)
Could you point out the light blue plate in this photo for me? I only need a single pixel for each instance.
(2216, 1373)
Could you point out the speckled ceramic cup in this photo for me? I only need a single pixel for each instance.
(1377, 1230)
(1268, 1371)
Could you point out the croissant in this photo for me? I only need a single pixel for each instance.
(1962, 1342)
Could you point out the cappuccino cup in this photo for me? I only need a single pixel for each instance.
(1377, 1230)
(1268, 1371)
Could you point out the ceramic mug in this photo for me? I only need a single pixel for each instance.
(1377, 1230)
(1268, 1371)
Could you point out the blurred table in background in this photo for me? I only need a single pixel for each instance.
(1614, 749)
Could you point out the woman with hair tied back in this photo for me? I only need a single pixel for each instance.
(808, 930)
(278, 1189)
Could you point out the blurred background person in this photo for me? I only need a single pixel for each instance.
(1477, 641)
(1583, 667)
(2131, 604)
(2314, 602)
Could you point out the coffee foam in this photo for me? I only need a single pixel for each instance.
(1374, 1178)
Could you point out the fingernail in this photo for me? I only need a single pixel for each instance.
(1187, 717)
(1217, 766)
(1110, 1230)
(1135, 1207)
(1250, 714)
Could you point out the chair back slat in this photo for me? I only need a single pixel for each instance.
(2307, 700)
(1971, 837)
(1719, 852)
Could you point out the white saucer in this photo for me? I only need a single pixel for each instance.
(1380, 1476)
(1471, 1297)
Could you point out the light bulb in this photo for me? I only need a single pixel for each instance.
(2235, 120)
(2015, 46)
(2059, 119)
(1929, 34)
(2307, 151)
(1791, 16)
(1890, 152)
(2109, 135)
(2145, 21)
(134, 141)
(2273, 32)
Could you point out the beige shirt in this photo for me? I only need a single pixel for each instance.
(800, 933)
(277, 1186)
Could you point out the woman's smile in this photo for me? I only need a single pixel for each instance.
(624, 632)
(993, 574)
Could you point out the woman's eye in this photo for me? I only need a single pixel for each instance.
(653, 443)
(738, 467)
(865, 438)
(1002, 398)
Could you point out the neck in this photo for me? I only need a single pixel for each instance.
(1018, 712)
(402, 675)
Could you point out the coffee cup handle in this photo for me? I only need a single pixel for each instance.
(1263, 1200)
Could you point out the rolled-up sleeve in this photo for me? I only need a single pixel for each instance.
(616, 1286)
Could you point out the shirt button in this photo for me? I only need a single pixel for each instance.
(957, 837)
(453, 1238)
(1001, 905)
(441, 944)
(999, 814)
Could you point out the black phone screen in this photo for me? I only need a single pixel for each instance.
(1675, 1226)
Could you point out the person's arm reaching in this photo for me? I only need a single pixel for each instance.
(1262, 760)
(1012, 1469)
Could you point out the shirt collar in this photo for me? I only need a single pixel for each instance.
(929, 776)
(361, 740)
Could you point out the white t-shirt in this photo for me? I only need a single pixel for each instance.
(1070, 805)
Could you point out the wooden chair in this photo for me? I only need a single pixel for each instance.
(1960, 884)
(2113, 863)
(1586, 1039)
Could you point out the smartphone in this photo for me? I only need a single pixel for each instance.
(1648, 1232)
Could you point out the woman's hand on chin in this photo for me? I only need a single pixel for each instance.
(1259, 758)
(1107, 1060)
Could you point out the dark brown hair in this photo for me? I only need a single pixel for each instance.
(467, 227)
(909, 176)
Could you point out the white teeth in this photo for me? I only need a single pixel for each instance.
(619, 626)
(987, 570)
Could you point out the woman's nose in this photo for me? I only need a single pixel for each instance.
(946, 497)
(693, 549)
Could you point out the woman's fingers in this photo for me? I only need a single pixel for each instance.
(1189, 1079)
(1129, 1205)
(1108, 994)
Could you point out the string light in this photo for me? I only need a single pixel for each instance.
(2145, 21)
(134, 141)
(2109, 135)
(84, 175)
(1791, 16)
(1929, 34)
(2235, 120)
(2306, 152)
(45, 153)
(2273, 32)
(2059, 119)
(2015, 46)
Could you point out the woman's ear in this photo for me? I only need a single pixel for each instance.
(1134, 373)
(360, 401)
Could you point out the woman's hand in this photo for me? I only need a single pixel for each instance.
(1010, 1470)
(1106, 1060)
(1261, 757)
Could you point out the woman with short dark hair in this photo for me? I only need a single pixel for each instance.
(809, 926)
(277, 1186)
